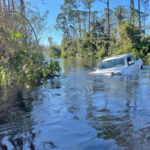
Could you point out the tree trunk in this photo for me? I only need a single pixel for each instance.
(84, 21)
(139, 12)
(0, 5)
(132, 11)
(13, 5)
(22, 8)
(4, 5)
(79, 21)
(89, 17)
(108, 18)
(8, 4)
(23, 29)
(79, 17)
(79, 24)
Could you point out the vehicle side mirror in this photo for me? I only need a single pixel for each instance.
(131, 62)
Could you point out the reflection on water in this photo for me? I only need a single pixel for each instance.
(78, 111)
(77, 65)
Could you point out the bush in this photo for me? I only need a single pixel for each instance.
(55, 52)
(24, 65)
(5, 76)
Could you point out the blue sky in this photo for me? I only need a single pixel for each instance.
(53, 6)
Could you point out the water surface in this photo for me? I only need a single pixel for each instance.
(78, 111)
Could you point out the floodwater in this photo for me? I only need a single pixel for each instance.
(78, 111)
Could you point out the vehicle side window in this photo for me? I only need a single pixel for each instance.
(130, 60)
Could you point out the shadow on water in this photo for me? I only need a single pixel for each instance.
(78, 111)
(14, 121)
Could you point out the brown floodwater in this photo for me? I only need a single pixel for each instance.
(78, 111)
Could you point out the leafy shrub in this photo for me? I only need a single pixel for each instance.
(23, 64)
(55, 52)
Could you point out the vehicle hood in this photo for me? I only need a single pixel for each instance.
(111, 71)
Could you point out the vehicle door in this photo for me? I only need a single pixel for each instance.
(132, 66)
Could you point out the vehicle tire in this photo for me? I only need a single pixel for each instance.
(142, 67)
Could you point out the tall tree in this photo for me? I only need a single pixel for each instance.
(97, 24)
(62, 24)
(88, 5)
(84, 20)
(69, 21)
(120, 14)
(108, 15)
(74, 9)
(78, 16)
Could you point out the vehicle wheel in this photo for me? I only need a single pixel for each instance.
(141, 67)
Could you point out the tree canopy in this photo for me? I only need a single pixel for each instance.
(85, 30)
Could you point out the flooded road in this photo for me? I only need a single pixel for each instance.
(78, 111)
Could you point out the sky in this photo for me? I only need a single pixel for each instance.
(53, 6)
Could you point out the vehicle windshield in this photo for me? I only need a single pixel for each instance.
(111, 63)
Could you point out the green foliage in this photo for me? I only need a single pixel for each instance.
(90, 45)
(55, 52)
(69, 48)
(24, 65)
(120, 13)
(29, 69)
(21, 57)
(51, 69)
(130, 41)
(126, 39)
(5, 74)
(128, 32)
(15, 34)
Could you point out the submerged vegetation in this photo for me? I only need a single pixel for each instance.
(21, 57)
(115, 31)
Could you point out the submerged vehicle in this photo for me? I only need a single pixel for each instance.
(119, 65)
